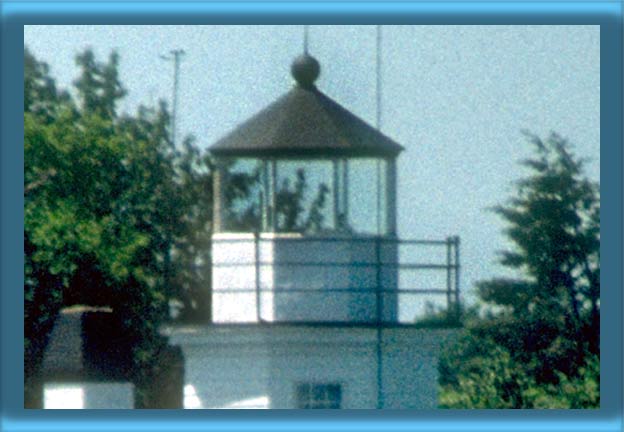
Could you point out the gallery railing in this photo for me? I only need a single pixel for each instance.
(427, 285)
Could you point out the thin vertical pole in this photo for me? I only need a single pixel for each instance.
(449, 269)
(257, 259)
(378, 123)
(457, 267)
(337, 203)
(266, 212)
(176, 57)
(378, 213)
(261, 200)
(345, 192)
(380, 396)
(218, 197)
(379, 297)
(273, 202)
(177, 54)
(391, 197)
(380, 401)
(378, 280)
(306, 30)
(378, 86)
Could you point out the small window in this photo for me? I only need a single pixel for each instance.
(318, 396)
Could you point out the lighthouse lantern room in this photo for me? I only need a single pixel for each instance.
(313, 240)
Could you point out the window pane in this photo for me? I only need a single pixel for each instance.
(304, 196)
(363, 193)
(318, 396)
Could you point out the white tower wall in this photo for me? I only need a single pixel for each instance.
(289, 278)
(260, 366)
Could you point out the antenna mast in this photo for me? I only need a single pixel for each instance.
(380, 393)
(378, 124)
(378, 118)
(176, 57)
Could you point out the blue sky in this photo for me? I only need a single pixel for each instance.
(456, 97)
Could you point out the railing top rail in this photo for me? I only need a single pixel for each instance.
(411, 265)
(333, 290)
(394, 269)
(269, 237)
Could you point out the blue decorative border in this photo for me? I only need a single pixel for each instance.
(15, 15)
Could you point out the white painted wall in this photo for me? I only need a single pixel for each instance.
(259, 366)
(63, 395)
(233, 269)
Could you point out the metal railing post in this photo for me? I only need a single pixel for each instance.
(379, 353)
(378, 281)
(257, 265)
(449, 269)
(378, 317)
(457, 304)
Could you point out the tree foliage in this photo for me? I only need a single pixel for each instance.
(107, 200)
(114, 213)
(539, 346)
(293, 215)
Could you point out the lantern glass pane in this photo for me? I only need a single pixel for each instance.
(304, 197)
(367, 197)
(243, 195)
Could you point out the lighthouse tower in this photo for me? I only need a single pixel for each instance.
(308, 299)
(281, 271)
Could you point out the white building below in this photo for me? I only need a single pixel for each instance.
(282, 366)
(88, 395)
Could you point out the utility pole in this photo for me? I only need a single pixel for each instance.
(175, 56)
(380, 391)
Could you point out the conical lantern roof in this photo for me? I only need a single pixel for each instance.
(305, 123)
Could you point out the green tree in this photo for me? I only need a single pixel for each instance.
(99, 86)
(191, 271)
(41, 97)
(541, 339)
(107, 198)
(291, 210)
(289, 203)
(42, 283)
(242, 206)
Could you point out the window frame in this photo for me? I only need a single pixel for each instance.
(318, 395)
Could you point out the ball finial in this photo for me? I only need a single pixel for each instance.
(305, 69)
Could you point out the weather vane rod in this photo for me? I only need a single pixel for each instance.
(305, 39)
